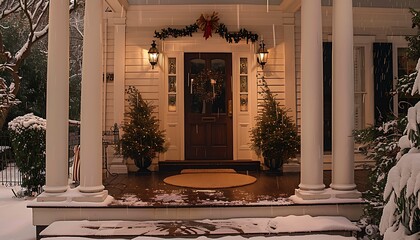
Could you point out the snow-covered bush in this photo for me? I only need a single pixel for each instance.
(27, 135)
(401, 214)
(380, 143)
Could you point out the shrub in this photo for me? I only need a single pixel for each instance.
(27, 135)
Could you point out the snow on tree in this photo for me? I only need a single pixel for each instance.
(401, 214)
(34, 15)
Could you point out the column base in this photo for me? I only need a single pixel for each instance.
(52, 197)
(91, 197)
(350, 194)
(328, 194)
(73, 195)
(312, 195)
(93, 190)
(343, 187)
(55, 189)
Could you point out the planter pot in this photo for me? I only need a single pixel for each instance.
(143, 164)
(274, 165)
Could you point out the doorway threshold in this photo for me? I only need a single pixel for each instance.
(179, 165)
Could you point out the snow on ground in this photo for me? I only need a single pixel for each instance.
(312, 237)
(15, 218)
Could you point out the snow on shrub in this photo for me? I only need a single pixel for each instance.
(27, 135)
(380, 144)
(401, 214)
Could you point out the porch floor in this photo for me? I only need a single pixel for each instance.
(149, 190)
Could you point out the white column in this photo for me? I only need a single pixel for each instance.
(343, 96)
(290, 68)
(57, 98)
(119, 72)
(91, 104)
(312, 109)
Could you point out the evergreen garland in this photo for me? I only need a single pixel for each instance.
(275, 135)
(222, 30)
(236, 36)
(173, 32)
(142, 138)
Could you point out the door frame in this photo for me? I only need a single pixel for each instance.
(172, 121)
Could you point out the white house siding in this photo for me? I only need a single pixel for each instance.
(297, 68)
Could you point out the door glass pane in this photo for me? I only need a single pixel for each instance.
(219, 103)
(197, 65)
(218, 65)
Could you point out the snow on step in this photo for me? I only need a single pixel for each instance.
(303, 237)
(237, 226)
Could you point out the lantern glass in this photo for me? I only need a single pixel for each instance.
(153, 55)
(262, 54)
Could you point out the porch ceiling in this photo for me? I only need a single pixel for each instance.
(356, 3)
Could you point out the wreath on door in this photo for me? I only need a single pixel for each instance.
(207, 85)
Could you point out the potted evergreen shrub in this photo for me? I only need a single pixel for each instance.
(142, 139)
(275, 135)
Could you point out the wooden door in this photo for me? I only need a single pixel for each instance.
(208, 123)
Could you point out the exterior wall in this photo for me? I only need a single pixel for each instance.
(142, 21)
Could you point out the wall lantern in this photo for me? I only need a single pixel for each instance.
(262, 54)
(153, 55)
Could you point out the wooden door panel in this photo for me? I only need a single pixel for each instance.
(197, 134)
(216, 152)
(218, 135)
(208, 126)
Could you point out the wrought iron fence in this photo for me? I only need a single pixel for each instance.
(9, 172)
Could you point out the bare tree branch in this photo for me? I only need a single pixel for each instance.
(35, 15)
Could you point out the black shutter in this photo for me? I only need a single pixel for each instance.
(383, 74)
(327, 71)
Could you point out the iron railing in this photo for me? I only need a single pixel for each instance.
(9, 172)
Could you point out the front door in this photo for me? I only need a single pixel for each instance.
(208, 106)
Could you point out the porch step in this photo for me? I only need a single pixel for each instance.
(179, 165)
(245, 227)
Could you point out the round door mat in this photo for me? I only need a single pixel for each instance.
(209, 180)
